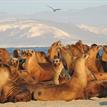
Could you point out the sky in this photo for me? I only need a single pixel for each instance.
(33, 6)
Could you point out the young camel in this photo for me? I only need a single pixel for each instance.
(73, 89)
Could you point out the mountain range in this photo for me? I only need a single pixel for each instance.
(41, 29)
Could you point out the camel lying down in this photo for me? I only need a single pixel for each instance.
(73, 89)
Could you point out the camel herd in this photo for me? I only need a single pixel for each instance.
(66, 72)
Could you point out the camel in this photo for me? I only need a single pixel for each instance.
(4, 56)
(73, 89)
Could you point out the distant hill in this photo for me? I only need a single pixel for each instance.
(42, 29)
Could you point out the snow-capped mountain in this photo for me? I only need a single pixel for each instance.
(41, 29)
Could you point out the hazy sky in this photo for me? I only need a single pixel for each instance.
(33, 6)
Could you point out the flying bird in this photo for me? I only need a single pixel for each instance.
(53, 9)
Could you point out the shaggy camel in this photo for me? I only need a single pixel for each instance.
(73, 89)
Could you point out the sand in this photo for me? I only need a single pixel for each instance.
(95, 102)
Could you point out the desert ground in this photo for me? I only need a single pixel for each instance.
(94, 102)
